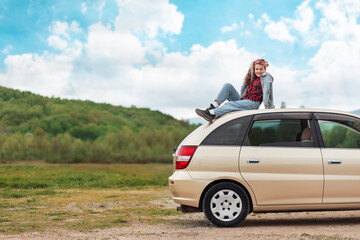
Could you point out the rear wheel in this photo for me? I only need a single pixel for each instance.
(226, 204)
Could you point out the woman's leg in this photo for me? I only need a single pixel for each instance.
(239, 105)
(228, 92)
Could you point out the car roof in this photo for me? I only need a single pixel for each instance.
(237, 114)
(201, 132)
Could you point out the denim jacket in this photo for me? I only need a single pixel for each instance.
(266, 84)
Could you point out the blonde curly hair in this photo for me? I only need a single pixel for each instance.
(250, 76)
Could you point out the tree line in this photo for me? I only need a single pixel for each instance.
(33, 127)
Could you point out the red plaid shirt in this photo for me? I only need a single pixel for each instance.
(254, 91)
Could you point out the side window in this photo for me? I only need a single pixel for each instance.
(280, 132)
(340, 134)
(230, 133)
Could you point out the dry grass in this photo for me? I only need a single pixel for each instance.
(85, 209)
(41, 196)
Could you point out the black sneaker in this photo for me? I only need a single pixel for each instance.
(211, 107)
(205, 114)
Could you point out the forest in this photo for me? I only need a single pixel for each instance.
(54, 130)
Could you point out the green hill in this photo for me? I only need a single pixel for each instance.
(62, 130)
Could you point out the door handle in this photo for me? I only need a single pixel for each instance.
(253, 160)
(334, 161)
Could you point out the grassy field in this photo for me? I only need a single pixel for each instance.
(38, 196)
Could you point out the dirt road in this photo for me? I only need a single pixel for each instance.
(302, 225)
(306, 225)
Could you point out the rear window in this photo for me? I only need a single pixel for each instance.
(230, 133)
(339, 131)
(340, 134)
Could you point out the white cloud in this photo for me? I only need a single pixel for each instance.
(289, 30)
(83, 8)
(118, 88)
(304, 18)
(231, 28)
(61, 38)
(60, 28)
(287, 86)
(332, 81)
(155, 49)
(277, 30)
(149, 17)
(56, 42)
(75, 27)
(340, 19)
(7, 49)
(63, 29)
(329, 81)
(48, 74)
(234, 27)
(107, 47)
(101, 5)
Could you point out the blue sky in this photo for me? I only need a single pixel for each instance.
(175, 55)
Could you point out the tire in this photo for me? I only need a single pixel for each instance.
(226, 204)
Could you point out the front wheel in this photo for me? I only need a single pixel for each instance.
(226, 205)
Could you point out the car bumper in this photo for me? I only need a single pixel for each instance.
(186, 190)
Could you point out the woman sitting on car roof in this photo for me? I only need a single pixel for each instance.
(257, 88)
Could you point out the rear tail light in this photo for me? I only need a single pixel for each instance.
(184, 156)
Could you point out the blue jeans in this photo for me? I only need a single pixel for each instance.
(228, 92)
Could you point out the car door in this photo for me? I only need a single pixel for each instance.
(340, 141)
(279, 166)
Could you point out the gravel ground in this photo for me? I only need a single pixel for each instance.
(304, 225)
